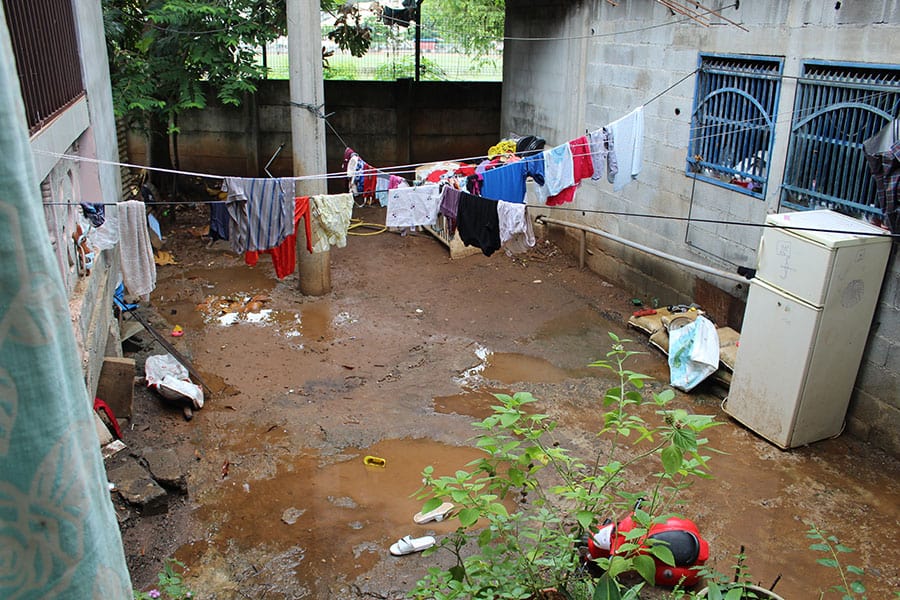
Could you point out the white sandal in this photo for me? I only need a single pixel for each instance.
(409, 544)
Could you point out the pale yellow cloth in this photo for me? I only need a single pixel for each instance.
(331, 220)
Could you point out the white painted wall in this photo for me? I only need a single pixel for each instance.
(614, 58)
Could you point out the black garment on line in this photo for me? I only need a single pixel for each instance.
(477, 223)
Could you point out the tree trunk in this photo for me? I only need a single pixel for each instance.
(158, 153)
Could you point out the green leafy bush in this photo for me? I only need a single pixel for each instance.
(559, 497)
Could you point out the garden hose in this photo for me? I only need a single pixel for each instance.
(358, 223)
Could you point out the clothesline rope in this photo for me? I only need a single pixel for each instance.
(596, 211)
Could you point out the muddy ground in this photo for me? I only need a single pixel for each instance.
(396, 362)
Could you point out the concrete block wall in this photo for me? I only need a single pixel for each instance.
(388, 123)
(632, 52)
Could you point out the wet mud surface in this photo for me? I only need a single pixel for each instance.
(396, 362)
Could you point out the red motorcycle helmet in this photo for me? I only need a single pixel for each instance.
(682, 537)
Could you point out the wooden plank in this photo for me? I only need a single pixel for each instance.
(116, 385)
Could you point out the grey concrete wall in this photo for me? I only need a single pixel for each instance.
(630, 53)
(388, 123)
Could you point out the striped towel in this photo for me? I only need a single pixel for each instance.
(261, 211)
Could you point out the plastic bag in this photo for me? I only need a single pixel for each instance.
(105, 236)
(172, 380)
(693, 353)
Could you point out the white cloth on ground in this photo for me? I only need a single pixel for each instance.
(135, 251)
(628, 133)
(412, 206)
(516, 232)
(331, 218)
(261, 212)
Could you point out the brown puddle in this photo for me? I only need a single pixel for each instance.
(760, 506)
(346, 513)
(227, 281)
(512, 367)
(475, 403)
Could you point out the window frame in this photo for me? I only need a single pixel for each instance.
(771, 69)
(857, 197)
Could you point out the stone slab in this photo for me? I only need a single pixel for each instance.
(135, 485)
(166, 469)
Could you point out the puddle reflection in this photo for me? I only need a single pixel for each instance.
(345, 514)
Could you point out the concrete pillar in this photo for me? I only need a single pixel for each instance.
(308, 132)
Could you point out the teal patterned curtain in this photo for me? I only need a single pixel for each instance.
(58, 532)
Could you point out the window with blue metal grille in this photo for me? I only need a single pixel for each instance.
(837, 108)
(733, 122)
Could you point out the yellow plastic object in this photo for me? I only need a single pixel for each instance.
(374, 461)
(504, 147)
(177, 331)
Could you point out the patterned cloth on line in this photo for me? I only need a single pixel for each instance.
(412, 206)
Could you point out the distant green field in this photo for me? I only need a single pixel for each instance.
(387, 66)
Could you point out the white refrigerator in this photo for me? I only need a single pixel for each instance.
(808, 316)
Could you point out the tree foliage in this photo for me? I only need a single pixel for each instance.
(474, 26)
(165, 54)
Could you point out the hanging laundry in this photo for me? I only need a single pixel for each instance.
(261, 210)
(603, 155)
(284, 255)
(135, 251)
(628, 133)
(477, 223)
(382, 185)
(450, 206)
(397, 181)
(508, 182)
(582, 168)
(474, 184)
(412, 206)
(516, 231)
(370, 182)
(218, 220)
(94, 212)
(558, 170)
(332, 214)
(882, 154)
(352, 165)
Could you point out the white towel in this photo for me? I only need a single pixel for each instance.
(135, 251)
(628, 136)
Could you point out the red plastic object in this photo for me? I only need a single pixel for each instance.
(101, 405)
(644, 313)
(682, 536)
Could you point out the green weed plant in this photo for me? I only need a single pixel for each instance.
(560, 497)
